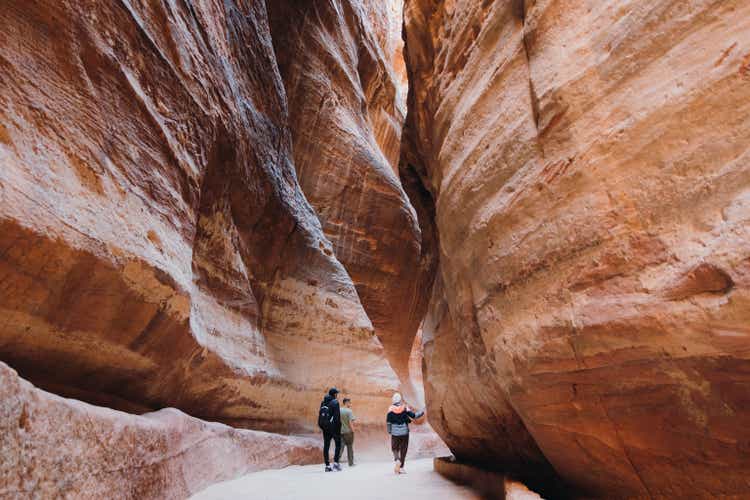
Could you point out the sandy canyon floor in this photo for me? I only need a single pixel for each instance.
(373, 480)
(367, 481)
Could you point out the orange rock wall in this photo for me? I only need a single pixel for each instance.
(346, 105)
(155, 246)
(589, 165)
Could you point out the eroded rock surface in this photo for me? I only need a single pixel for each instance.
(589, 164)
(346, 104)
(155, 247)
(110, 454)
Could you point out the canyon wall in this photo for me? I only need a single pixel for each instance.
(589, 166)
(155, 246)
(346, 107)
(211, 205)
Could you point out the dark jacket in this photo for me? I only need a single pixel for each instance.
(398, 419)
(335, 410)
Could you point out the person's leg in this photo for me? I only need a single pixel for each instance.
(404, 447)
(326, 448)
(350, 449)
(349, 441)
(337, 450)
(397, 443)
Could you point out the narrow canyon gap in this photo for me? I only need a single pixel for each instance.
(227, 206)
(346, 102)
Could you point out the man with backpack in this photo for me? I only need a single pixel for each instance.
(329, 421)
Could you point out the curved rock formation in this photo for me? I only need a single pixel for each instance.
(155, 247)
(580, 169)
(589, 163)
(110, 454)
(346, 115)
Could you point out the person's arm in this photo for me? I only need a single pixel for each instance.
(413, 415)
(352, 418)
(388, 422)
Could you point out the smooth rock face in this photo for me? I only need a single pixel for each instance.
(110, 454)
(346, 107)
(155, 247)
(589, 163)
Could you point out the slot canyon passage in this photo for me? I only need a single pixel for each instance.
(531, 216)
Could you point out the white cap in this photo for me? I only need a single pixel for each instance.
(396, 398)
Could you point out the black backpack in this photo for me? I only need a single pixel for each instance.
(325, 419)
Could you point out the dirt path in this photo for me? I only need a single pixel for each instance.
(365, 481)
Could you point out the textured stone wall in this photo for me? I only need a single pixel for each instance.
(589, 165)
(346, 105)
(155, 246)
(54, 447)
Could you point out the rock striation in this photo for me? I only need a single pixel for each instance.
(155, 246)
(589, 166)
(346, 105)
(110, 454)
(227, 206)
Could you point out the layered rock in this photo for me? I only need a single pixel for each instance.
(110, 454)
(589, 164)
(338, 61)
(155, 247)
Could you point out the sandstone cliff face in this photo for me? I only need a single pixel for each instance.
(110, 454)
(346, 115)
(155, 247)
(590, 169)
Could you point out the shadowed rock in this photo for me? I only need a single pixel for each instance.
(346, 116)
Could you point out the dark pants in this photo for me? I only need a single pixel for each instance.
(349, 442)
(399, 445)
(327, 446)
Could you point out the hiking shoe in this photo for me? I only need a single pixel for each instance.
(337, 467)
(328, 468)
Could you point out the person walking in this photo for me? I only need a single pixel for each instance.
(329, 421)
(347, 429)
(397, 420)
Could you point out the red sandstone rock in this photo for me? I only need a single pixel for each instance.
(588, 162)
(346, 115)
(155, 247)
(583, 164)
(55, 447)
(703, 278)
